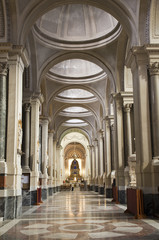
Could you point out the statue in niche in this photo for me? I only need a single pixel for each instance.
(20, 135)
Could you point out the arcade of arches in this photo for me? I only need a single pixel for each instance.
(79, 99)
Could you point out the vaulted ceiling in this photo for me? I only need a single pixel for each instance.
(77, 52)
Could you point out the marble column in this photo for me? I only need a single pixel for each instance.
(128, 142)
(101, 154)
(96, 164)
(14, 133)
(96, 157)
(50, 169)
(14, 129)
(54, 164)
(108, 158)
(34, 146)
(26, 138)
(138, 61)
(154, 100)
(3, 122)
(120, 180)
(90, 164)
(3, 109)
(93, 164)
(44, 123)
(127, 109)
(58, 165)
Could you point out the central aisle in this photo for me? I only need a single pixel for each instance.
(78, 215)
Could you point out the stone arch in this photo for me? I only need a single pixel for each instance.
(79, 105)
(80, 87)
(57, 58)
(116, 9)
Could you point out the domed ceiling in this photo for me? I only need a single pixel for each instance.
(76, 22)
(76, 68)
(76, 93)
(75, 110)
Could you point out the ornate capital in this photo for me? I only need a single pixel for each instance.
(27, 107)
(127, 108)
(3, 68)
(154, 68)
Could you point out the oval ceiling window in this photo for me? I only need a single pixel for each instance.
(75, 110)
(75, 93)
(74, 120)
(76, 68)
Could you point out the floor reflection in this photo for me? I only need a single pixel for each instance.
(78, 215)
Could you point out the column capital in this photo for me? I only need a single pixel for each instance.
(95, 142)
(27, 107)
(154, 68)
(101, 132)
(118, 101)
(108, 118)
(37, 97)
(127, 108)
(44, 120)
(136, 56)
(127, 97)
(3, 68)
(50, 133)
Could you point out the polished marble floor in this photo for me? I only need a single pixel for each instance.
(79, 215)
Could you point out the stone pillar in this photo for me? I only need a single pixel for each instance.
(127, 109)
(120, 180)
(14, 135)
(153, 54)
(36, 101)
(96, 164)
(54, 164)
(108, 166)
(154, 100)
(93, 165)
(90, 164)
(25, 167)
(44, 122)
(96, 156)
(58, 165)
(50, 169)
(3, 122)
(128, 142)
(101, 153)
(3, 109)
(137, 60)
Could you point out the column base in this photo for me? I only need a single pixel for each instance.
(151, 204)
(50, 191)
(33, 195)
(25, 169)
(44, 193)
(121, 195)
(26, 197)
(101, 190)
(109, 193)
(3, 172)
(96, 188)
(10, 207)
